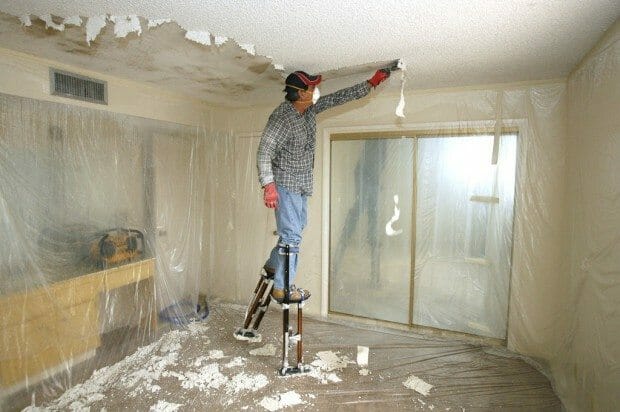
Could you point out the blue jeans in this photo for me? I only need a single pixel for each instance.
(291, 217)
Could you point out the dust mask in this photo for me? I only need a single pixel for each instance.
(315, 95)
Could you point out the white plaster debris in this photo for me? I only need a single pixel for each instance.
(73, 21)
(93, 27)
(215, 354)
(163, 406)
(138, 372)
(388, 226)
(267, 350)
(25, 19)
(243, 381)
(219, 40)
(418, 385)
(326, 362)
(202, 37)
(329, 361)
(47, 18)
(235, 362)
(157, 22)
(207, 377)
(123, 25)
(248, 48)
(400, 109)
(364, 372)
(283, 400)
(278, 66)
(362, 356)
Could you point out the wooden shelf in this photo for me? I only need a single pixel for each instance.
(46, 326)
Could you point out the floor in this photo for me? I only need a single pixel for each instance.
(204, 367)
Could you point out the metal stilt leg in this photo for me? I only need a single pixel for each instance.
(288, 338)
(256, 309)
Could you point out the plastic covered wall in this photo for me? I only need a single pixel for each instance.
(562, 301)
(586, 367)
(101, 222)
(70, 176)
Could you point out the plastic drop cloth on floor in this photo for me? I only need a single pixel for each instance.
(204, 367)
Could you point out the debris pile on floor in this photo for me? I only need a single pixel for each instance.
(203, 364)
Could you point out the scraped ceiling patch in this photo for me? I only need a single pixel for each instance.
(446, 43)
(124, 25)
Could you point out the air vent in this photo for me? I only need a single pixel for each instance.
(74, 86)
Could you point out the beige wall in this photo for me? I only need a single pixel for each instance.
(28, 76)
(541, 109)
(588, 361)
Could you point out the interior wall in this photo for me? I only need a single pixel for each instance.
(588, 363)
(537, 279)
(28, 76)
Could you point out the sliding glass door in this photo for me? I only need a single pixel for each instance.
(371, 233)
(447, 268)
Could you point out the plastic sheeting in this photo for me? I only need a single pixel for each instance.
(71, 175)
(461, 232)
(93, 206)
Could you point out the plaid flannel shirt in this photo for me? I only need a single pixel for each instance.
(286, 150)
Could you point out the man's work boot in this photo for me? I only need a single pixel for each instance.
(296, 295)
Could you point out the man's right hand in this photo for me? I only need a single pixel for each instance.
(270, 196)
(379, 76)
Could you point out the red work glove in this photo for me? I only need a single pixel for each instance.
(270, 196)
(379, 76)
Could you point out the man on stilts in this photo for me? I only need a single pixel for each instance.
(285, 162)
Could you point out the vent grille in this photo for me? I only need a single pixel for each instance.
(78, 87)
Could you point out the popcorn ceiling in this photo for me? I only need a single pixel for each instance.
(157, 22)
(202, 37)
(451, 43)
(123, 25)
(49, 23)
(25, 19)
(73, 21)
(219, 40)
(248, 48)
(94, 26)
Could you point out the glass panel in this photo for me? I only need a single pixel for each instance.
(370, 233)
(464, 234)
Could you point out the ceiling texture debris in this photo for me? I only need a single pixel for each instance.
(235, 53)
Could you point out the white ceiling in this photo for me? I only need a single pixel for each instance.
(445, 43)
